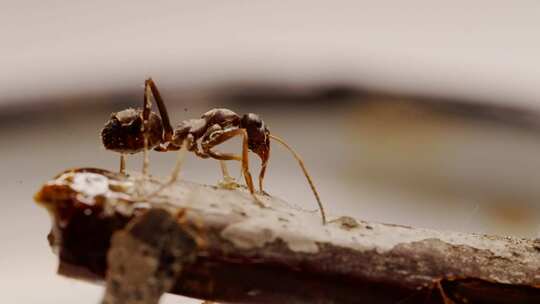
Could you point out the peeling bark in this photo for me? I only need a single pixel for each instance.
(146, 258)
(216, 244)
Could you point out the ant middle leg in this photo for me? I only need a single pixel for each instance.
(228, 156)
(181, 154)
(228, 181)
(222, 136)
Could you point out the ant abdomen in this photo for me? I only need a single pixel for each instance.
(123, 132)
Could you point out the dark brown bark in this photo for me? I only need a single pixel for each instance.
(217, 244)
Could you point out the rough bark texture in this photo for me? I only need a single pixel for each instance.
(146, 258)
(217, 244)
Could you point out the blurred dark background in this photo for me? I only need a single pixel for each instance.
(414, 113)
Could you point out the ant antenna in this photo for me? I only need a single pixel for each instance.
(306, 174)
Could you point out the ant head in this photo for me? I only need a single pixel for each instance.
(123, 134)
(258, 139)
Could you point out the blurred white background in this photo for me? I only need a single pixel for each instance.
(53, 52)
(485, 48)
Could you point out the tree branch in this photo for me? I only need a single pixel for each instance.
(217, 244)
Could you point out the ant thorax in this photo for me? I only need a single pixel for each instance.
(225, 118)
(213, 120)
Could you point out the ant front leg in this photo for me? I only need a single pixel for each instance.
(219, 137)
(261, 174)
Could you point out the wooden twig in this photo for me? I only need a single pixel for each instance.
(216, 244)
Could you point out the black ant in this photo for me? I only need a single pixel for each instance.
(134, 130)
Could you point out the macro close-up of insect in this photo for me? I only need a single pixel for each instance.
(317, 152)
(137, 130)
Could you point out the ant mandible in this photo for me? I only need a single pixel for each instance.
(134, 130)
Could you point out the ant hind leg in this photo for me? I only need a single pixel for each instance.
(145, 128)
(149, 84)
(181, 154)
(123, 163)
